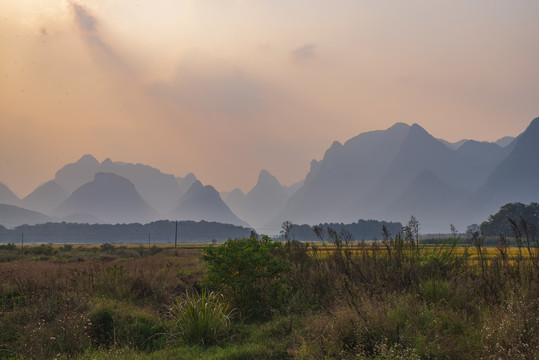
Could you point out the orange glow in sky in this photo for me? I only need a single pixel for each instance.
(224, 88)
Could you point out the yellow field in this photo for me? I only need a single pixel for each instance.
(489, 253)
(129, 246)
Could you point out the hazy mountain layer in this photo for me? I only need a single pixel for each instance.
(404, 171)
(264, 201)
(11, 216)
(45, 198)
(7, 196)
(516, 178)
(74, 175)
(345, 174)
(204, 203)
(159, 190)
(385, 174)
(110, 198)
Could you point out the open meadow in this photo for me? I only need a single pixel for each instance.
(255, 298)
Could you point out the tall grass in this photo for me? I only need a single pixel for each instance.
(389, 299)
(432, 302)
(60, 309)
(200, 318)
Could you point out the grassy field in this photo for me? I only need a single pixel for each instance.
(259, 299)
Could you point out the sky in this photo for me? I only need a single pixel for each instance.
(225, 88)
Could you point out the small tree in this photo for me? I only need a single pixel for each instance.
(473, 231)
(285, 230)
(413, 229)
(249, 272)
(454, 231)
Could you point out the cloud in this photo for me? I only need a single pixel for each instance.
(87, 24)
(105, 55)
(86, 21)
(304, 52)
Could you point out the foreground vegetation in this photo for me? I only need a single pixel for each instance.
(255, 298)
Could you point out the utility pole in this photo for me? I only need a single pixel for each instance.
(22, 240)
(176, 236)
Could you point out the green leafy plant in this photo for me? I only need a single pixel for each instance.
(250, 272)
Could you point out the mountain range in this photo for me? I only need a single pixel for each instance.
(403, 171)
(385, 174)
(88, 191)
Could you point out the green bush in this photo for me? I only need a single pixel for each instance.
(101, 329)
(250, 272)
(122, 325)
(200, 319)
(42, 250)
(434, 291)
(8, 246)
(107, 247)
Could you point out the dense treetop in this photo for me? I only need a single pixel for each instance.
(498, 224)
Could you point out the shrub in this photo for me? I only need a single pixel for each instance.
(101, 329)
(42, 249)
(124, 325)
(200, 319)
(8, 246)
(250, 272)
(66, 247)
(107, 247)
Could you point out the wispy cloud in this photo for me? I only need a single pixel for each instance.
(86, 21)
(304, 52)
(88, 25)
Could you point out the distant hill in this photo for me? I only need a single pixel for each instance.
(234, 199)
(74, 175)
(159, 190)
(264, 201)
(404, 171)
(383, 174)
(479, 160)
(290, 190)
(45, 198)
(516, 177)
(204, 203)
(12, 216)
(432, 200)
(504, 141)
(135, 233)
(7, 196)
(345, 175)
(110, 198)
(144, 194)
(185, 183)
(454, 145)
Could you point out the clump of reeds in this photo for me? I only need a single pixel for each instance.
(200, 318)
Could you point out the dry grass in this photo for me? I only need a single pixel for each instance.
(390, 300)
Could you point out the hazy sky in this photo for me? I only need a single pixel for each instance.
(224, 88)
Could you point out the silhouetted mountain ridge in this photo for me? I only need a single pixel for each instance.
(516, 177)
(405, 171)
(108, 197)
(7, 196)
(264, 201)
(45, 198)
(384, 174)
(204, 203)
(11, 216)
